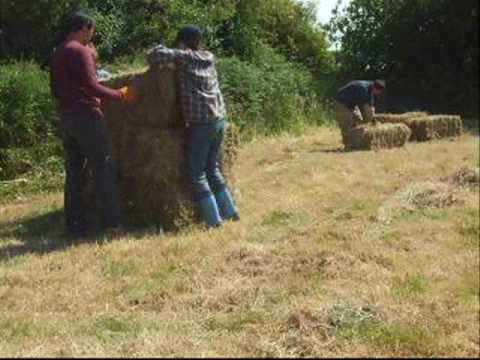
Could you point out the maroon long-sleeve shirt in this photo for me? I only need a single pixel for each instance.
(74, 81)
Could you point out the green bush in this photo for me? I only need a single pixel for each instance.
(28, 140)
(27, 110)
(270, 94)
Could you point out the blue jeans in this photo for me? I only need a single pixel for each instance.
(203, 145)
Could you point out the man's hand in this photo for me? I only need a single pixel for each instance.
(128, 94)
(180, 63)
(357, 117)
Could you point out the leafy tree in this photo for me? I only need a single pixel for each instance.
(284, 25)
(427, 49)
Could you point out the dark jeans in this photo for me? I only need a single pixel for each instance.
(203, 145)
(85, 139)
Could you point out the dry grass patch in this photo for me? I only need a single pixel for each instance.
(312, 269)
(467, 176)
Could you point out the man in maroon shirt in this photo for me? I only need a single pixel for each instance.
(78, 93)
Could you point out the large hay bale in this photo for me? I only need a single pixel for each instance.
(148, 139)
(430, 127)
(158, 102)
(375, 137)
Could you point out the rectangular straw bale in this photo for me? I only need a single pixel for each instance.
(399, 118)
(381, 136)
(148, 150)
(430, 127)
(153, 178)
(158, 102)
(229, 152)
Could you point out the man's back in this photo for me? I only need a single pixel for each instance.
(355, 93)
(202, 100)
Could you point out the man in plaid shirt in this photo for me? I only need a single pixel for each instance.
(204, 112)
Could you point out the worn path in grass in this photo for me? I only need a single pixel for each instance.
(337, 254)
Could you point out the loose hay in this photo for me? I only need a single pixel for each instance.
(422, 195)
(467, 176)
(429, 195)
(425, 127)
(381, 136)
(148, 139)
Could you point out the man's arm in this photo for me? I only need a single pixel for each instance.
(84, 65)
(368, 113)
(162, 55)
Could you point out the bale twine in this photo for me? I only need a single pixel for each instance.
(375, 137)
(148, 150)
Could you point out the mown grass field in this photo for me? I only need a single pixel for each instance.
(337, 254)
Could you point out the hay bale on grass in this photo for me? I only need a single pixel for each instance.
(403, 118)
(375, 137)
(431, 127)
(148, 151)
(425, 127)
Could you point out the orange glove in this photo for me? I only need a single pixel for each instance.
(128, 94)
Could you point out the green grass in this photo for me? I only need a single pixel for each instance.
(469, 228)
(107, 328)
(412, 286)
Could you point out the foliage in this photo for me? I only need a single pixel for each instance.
(427, 49)
(28, 131)
(128, 26)
(270, 95)
(285, 26)
(272, 60)
(27, 111)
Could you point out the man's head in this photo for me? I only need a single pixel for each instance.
(379, 87)
(190, 36)
(82, 26)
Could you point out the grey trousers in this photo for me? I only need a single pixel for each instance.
(85, 140)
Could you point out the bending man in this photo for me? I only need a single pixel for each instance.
(355, 103)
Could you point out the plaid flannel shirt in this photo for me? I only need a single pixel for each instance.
(202, 100)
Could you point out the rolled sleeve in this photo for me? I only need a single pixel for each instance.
(162, 55)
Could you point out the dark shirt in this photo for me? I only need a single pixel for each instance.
(356, 93)
(73, 79)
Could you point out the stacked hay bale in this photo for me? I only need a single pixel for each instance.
(430, 127)
(403, 118)
(375, 137)
(148, 139)
(426, 127)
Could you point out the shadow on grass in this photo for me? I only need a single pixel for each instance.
(471, 126)
(45, 233)
(36, 234)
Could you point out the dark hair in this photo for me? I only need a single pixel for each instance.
(190, 35)
(380, 84)
(79, 20)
